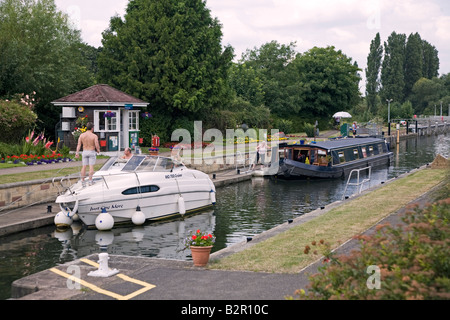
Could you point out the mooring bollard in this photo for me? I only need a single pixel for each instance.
(103, 269)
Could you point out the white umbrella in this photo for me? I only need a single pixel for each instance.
(342, 114)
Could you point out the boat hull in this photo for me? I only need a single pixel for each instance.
(291, 169)
(159, 195)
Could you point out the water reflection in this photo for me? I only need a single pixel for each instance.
(160, 240)
(242, 210)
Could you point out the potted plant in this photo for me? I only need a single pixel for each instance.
(153, 151)
(200, 244)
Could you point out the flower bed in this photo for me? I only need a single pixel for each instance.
(35, 159)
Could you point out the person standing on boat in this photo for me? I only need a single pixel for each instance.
(89, 141)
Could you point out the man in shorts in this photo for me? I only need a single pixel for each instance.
(89, 140)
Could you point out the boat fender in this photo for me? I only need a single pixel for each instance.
(138, 217)
(181, 205)
(67, 211)
(104, 221)
(62, 220)
(212, 195)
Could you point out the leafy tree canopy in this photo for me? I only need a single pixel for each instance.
(40, 51)
(167, 52)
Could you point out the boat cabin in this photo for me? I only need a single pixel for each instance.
(334, 152)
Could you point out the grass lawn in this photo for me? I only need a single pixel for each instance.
(283, 253)
(45, 174)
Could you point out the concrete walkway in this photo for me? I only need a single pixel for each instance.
(143, 278)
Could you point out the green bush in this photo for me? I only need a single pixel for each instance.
(413, 261)
(15, 120)
(309, 129)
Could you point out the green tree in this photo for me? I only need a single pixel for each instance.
(430, 65)
(392, 72)
(413, 62)
(329, 81)
(247, 83)
(40, 51)
(373, 72)
(426, 93)
(271, 61)
(168, 52)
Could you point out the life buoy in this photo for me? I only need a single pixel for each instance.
(155, 141)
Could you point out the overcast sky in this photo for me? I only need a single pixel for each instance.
(349, 25)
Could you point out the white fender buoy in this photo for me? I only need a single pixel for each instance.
(181, 206)
(138, 217)
(62, 220)
(104, 221)
(76, 217)
(212, 195)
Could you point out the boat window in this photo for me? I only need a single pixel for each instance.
(370, 150)
(341, 157)
(380, 148)
(288, 154)
(363, 149)
(355, 154)
(322, 157)
(138, 190)
(164, 165)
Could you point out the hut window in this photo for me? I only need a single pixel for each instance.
(105, 123)
(133, 120)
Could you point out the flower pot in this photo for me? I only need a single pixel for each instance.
(200, 255)
(153, 153)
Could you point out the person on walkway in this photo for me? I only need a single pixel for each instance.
(260, 153)
(89, 141)
(354, 129)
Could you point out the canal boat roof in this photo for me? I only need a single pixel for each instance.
(339, 143)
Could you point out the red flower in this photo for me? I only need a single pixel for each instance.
(194, 237)
(198, 230)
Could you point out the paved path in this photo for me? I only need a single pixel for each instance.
(143, 278)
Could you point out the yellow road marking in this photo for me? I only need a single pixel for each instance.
(146, 286)
(87, 284)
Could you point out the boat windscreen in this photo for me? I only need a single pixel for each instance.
(133, 163)
(107, 165)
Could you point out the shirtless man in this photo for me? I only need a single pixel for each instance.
(89, 140)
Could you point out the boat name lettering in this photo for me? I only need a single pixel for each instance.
(174, 175)
(114, 206)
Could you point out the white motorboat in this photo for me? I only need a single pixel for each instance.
(135, 190)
